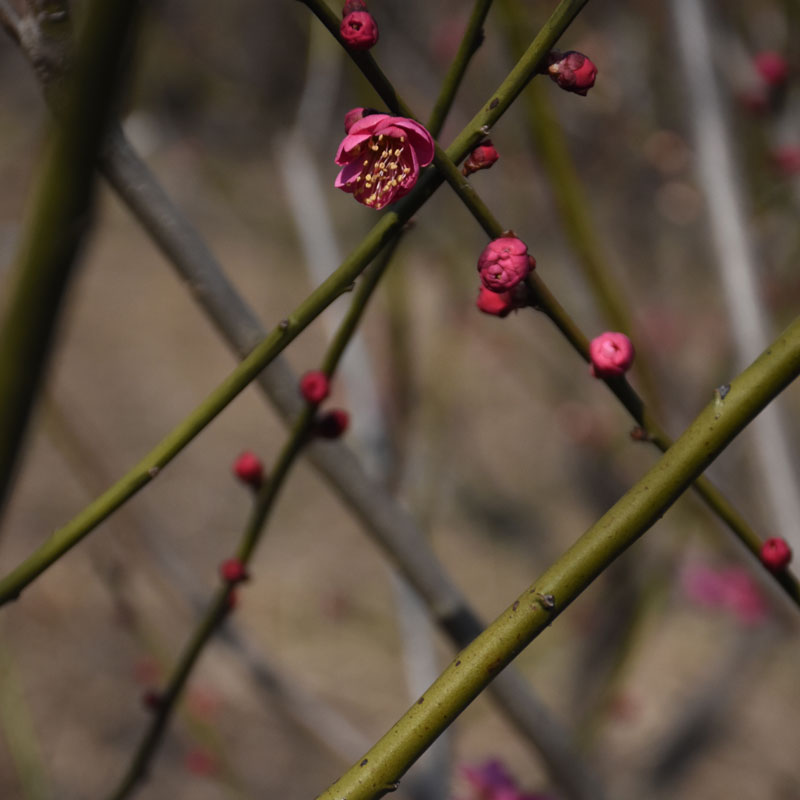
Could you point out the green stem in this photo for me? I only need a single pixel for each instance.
(59, 215)
(536, 608)
(470, 42)
(141, 474)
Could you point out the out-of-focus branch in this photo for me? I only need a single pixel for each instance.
(59, 215)
(777, 474)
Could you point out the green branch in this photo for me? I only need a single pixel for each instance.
(476, 666)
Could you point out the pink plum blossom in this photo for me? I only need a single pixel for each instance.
(503, 263)
(381, 158)
(611, 354)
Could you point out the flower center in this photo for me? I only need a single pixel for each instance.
(385, 165)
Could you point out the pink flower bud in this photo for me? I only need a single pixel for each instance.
(572, 71)
(332, 424)
(314, 386)
(503, 263)
(249, 469)
(233, 571)
(482, 157)
(772, 67)
(611, 354)
(359, 30)
(775, 554)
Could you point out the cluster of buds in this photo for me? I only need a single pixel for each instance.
(572, 71)
(503, 266)
(358, 30)
(315, 387)
(611, 355)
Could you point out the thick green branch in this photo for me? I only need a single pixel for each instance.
(477, 665)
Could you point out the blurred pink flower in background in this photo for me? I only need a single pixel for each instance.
(731, 589)
(492, 781)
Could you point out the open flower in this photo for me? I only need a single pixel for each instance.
(381, 157)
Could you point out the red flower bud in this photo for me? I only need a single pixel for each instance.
(249, 469)
(498, 304)
(359, 31)
(772, 67)
(503, 263)
(314, 386)
(611, 354)
(233, 571)
(332, 424)
(572, 71)
(775, 554)
(482, 157)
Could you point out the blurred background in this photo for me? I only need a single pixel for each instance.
(676, 672)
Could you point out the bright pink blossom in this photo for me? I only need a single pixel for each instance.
(503, 263)
(572, 71)
(359, 31)
(381, 158)
(776, 554)
(482, 157)
(611, 354)
(314, 386)
(772, 67)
